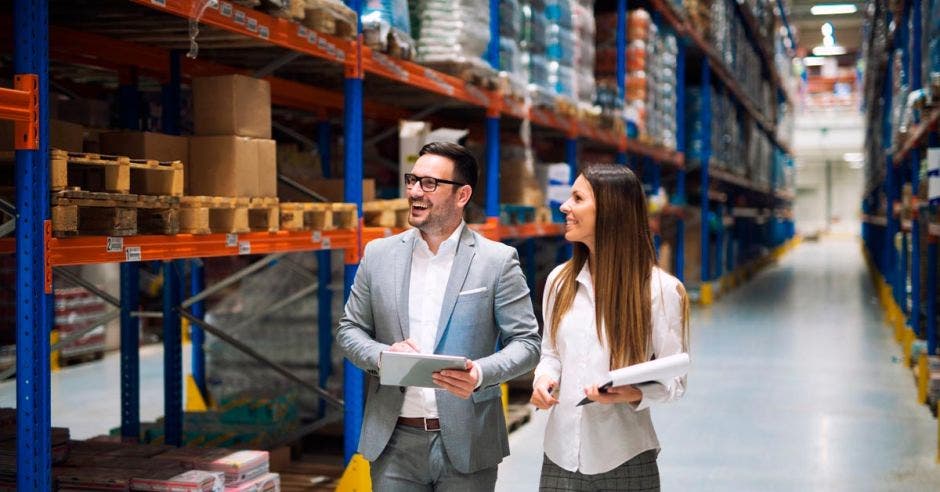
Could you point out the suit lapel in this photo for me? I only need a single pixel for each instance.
(466, 250)
(403, 274)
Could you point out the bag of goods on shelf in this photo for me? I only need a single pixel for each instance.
(330, 16)
(454, 37)
(238, 466)
(555, 179)
(584, 29)
(386, 26)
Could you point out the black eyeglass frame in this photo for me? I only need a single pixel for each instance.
(435, 181)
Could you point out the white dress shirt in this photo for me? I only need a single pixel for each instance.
(429, 276)
(596, 438)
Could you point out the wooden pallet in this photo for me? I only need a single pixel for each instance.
(114, 174)
(386, 213)
(308, 216)
(330, 18)
(219, 214)
(77, 212)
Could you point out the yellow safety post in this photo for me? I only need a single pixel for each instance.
(504, 390)
(923, 378)
(54, 363)
(356, 477)
(706, 296)
(195, 402)
(184, 326)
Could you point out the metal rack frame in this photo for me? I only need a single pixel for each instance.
(37, 252)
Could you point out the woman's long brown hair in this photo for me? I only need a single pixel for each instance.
(624, 259)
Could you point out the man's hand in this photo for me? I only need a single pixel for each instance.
(460, 383)
(542, 396)
(617, 394)
(408, 345)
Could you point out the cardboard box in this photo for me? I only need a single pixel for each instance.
(267, 167)
(222, 166)
(332, 189)
(62, 135)
(145, 145)
(232, 105)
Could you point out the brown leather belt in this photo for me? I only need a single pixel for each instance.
(430, 425)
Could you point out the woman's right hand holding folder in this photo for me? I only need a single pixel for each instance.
(543, 393)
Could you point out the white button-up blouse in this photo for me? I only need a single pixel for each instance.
(596, 438)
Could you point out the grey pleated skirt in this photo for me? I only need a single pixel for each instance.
(639, 474)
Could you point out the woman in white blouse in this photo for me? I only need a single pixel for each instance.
(607, 307)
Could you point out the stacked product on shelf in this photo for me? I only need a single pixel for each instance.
(636, 86)
(550, 46)
(555, 179)
(511, 58)
(331, 17)
(386, 26)
(608, 96)
(661, 103)
(75, 310)
(730, 40)
(454, 36)
(584, 29)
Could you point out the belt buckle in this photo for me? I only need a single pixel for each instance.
(425, 422)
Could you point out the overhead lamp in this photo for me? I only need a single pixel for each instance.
(833, 9)
(813, 61)
(829, 50)
(827, 29)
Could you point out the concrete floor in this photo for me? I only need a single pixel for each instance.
(796, 385)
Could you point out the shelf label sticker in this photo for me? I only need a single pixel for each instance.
(312, 37)
(316, 236)
(214, 4)
(244, 248)
(388, 232)
(252, 24)
(539, 230)
(132, 253)
(226, 9)
(325, 243)
(231, 240)
(161, 3)
(115, 244)
(302, 31)
(240, 17)
(264, 32)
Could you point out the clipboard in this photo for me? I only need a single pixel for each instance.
(413, 369)
(657, 370)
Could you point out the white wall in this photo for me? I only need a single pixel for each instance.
(821, 136)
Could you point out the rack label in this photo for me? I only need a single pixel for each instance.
(315, 237)
(240, 17)
(244, 248)
(264, 32)
(226, 9)
(115, 244)
(161, 3)
(302, 31)
(252, 24)
(231, 240)
(132, 253)
(325, 243)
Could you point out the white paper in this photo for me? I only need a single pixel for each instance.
(660, 370)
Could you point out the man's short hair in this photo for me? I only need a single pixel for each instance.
(465, 165)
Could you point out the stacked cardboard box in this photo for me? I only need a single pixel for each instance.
(232, 153)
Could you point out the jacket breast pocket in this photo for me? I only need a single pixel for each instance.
(486, 394)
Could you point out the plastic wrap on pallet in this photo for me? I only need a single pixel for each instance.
(386, 24)
(454, 32)
(584, 30)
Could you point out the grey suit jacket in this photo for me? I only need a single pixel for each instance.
(498, 312)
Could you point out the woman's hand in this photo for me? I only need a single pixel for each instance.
(618, 394)
(542, 390)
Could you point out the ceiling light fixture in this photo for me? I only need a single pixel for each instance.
(829, 50)
(833, 9)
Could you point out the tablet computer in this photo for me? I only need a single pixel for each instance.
(413, 369)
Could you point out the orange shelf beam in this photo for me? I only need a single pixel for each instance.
(917, 136)
(85, 250)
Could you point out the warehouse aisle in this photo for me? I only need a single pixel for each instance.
(796, 385)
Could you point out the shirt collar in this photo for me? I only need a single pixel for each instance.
(448, 246)
(584, 278)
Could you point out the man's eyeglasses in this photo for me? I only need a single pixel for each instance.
(428, 183)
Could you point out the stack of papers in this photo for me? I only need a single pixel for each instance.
(658, 370)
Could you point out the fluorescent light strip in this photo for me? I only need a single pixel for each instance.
(833, 9)
(829, 50)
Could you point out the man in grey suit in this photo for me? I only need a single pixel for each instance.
(439, 288)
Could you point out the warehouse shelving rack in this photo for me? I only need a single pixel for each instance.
(897, 271)
(347, 61)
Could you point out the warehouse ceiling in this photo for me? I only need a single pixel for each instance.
(847, 28)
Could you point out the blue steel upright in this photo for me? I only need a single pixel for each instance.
(679, 197)
(353, 377)
(621, 61)
(706, 120)
(492, 122)
(130, 353)
(172, 355)
(33, 306)
(324, 278)
(915, 83)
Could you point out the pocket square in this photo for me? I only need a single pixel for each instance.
(472, 291)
